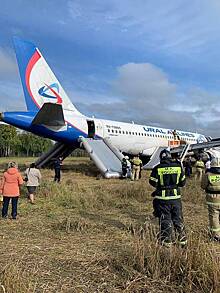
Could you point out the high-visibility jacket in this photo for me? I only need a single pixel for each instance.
(136, 162)
(167, 177)
(211, 181)
(200, 164)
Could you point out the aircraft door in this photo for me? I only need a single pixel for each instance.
(91, 128)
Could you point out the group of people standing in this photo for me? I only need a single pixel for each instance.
(12, 181)
(10, 186)
(168, 177)
(131, 168)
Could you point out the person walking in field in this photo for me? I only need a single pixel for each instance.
(211, 184)
(136, 164)
(12, 181)
(57, 169)
(200, 168)
(33, 178)
(167, 177)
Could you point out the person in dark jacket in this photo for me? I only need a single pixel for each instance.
(57, 169)
(124, 167)
(188, 167)
(167, 178)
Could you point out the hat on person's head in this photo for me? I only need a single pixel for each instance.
(165, 154)
(12, 165)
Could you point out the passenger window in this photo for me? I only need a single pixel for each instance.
(112, 131)
(129, 132)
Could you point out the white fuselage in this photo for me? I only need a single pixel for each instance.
(132, 138)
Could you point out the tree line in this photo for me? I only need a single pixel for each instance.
(21, 143)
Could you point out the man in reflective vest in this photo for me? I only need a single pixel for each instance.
(136, 168)
(200, 167)
(167, 177)
(211, 184)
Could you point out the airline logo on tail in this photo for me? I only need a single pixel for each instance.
(45, 91)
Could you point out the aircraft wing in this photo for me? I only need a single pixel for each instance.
(50, 115)
(198, 146)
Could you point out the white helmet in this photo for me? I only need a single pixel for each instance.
(215, 162)
(126, 157)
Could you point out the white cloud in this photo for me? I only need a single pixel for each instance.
(146, 96)
(144, 83)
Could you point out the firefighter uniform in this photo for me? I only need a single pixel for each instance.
(167, 177)
(136, 167)
(200, 167)
(211, 184)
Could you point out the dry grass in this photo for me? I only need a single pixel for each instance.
(88, 235)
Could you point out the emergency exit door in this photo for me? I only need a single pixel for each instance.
(91, 128)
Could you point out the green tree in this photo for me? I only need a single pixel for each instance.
(8, 140)
(33, 145)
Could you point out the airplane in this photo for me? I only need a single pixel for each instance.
(51, 114)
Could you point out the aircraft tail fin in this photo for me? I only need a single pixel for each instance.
(40, 85)
(56, 117)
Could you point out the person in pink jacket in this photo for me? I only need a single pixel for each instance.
(10, 189)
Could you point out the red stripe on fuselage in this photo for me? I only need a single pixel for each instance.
(36, 56)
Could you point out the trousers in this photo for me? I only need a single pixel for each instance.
(199, 173)
(57, 174)
(14, 204)
(135, 172)
(213, 203)
(170, 216)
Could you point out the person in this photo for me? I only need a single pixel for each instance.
(128, 167)
(200, 167)
(124, 167)
(188, 166)
(136, 164)
(167, 177)
(211, 184)
(1, 196)
(207, 165)
(12, 180)
(175, 135)
(57, 169)
(33, 177)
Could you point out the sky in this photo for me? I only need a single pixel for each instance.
(154, 62)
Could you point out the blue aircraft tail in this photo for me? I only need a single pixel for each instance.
(39, 83)
(24, 52)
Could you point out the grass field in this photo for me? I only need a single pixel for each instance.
(89, 235)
